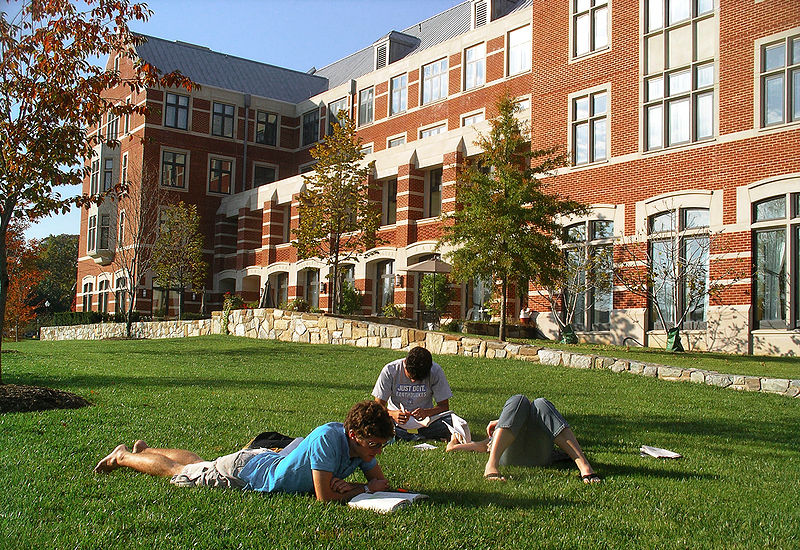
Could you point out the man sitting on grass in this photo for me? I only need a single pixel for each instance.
(320, 463)
(408, 387)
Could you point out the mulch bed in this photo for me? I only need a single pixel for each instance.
(14, 398)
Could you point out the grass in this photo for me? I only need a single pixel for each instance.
(735, 488)
(726, 363)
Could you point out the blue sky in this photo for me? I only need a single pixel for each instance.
(297, 34)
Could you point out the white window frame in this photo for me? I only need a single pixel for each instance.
(402, 92)
(394, 138)
(437, 81)
(433, 129)
(332, 117)
(526, 46)
(663, 99)
(592, 10)
(475, 117)
(366, 106)
(478, 76)
(789, 71)
(589, 120)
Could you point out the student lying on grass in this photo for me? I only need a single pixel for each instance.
(524, 436)
(320, 463)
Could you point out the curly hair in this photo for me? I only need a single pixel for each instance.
(419, 363)
(369, 419)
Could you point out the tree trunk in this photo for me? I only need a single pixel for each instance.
(501, 333)
(3, 288)
(181, 291)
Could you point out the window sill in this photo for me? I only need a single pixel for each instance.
(680, 146)
(174, 188)
(588, 55)
(778, 127)
(592, 164)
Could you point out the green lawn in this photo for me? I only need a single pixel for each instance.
(736, 487)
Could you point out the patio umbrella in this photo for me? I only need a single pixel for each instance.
(434, 265)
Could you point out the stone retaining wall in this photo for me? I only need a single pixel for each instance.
(312, 328)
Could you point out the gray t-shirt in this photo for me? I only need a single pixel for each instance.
(394, 387)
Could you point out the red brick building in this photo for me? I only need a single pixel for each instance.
(682, 118)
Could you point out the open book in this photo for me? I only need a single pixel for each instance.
(384, 501)
(414, 424)
(460, 429)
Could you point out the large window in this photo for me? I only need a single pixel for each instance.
(220, 176)
(91, 234)
(389, 209)
(366, 100)
(590, 127)
(776, 238)
(519, 50)
(589, 26)
(680, 48)
(588, 253)
(475, 70)
(334, 109)
(310, 127)
(95, 177)
(384, 279)
(105, 231)
(780, 82)
(176, 111)
(433, 193)
(399, 91)
(173, 170)
(222, 120)
(479, 295)
(102, 298)
(121, 295)
(281, 289)
(87, 296)
(266, 128)
(312, 287)
(112, 128)
(263, 175)
(108, 174)
(679, 244)
(434, 81)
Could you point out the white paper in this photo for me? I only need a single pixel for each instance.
(425, 446)
(384, 501)
(657, 452)
(460, 429)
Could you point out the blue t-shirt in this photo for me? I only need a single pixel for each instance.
(324, 449)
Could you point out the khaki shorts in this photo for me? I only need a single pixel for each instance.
(222, 472)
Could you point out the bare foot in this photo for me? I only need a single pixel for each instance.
(111, 462)
(494, 476)
(139, 445)
(452, 443)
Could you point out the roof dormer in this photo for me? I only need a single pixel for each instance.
(392, 47)
(485, 11)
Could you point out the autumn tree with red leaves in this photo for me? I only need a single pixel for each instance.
(51, 95)
(24, 276)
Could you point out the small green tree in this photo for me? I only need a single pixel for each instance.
(504, 226)
(178, 251)
(435, 292)
(337, 219)
(350, 299)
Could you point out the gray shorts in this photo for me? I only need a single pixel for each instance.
(222, 472)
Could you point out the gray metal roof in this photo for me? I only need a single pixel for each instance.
(211, 68)
(434, 30)
(205, 66)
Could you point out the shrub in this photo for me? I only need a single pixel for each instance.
(435, 292)
(78, 318)
(298, 304)
(391, 310)
(349, 299)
